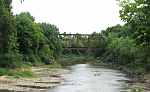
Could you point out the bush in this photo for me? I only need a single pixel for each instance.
(10, 60)
(124, 52)
(4, 71)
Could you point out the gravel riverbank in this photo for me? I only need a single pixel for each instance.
(45, 79)
(142, 82)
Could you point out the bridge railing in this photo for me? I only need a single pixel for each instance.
(79, 40)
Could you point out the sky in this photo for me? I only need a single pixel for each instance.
(72, 16)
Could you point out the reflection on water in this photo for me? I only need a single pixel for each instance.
(87, 78)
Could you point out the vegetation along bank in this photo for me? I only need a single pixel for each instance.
(25, 43)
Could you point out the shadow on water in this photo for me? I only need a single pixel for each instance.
(88, 78)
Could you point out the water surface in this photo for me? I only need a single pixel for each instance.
(88, 78)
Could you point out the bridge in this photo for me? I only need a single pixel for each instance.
(80, 42)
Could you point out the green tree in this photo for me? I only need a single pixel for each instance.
(136, 13)
(9, 54)
(51, 33)
(30, 37)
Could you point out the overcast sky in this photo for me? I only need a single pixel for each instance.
(72, 16)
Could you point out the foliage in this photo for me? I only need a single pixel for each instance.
(20, 74)
(136, 13)
(29, 36)
(38, 42)
(9, 54)
(3, 71)
(51, 33)
(122, 49)
(128, 46)
(23, 41)
(17, 73)
(10, 60)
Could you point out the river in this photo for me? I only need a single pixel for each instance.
(88, 78)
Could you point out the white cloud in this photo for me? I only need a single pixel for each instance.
(75, 16)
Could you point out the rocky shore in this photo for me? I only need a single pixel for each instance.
(45, 79)
(141, 83)
(144, 82)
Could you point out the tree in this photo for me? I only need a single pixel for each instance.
(9, 54)
(136, 13)
(30, 36)
(51, 33)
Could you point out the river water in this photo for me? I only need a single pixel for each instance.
(88, 78)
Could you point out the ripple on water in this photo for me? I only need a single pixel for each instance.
(87, 78)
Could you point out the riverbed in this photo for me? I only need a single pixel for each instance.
(89, 78)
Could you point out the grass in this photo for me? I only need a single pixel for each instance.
(4, 71)
(16, 73)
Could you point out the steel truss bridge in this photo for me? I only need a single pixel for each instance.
(79, 42)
